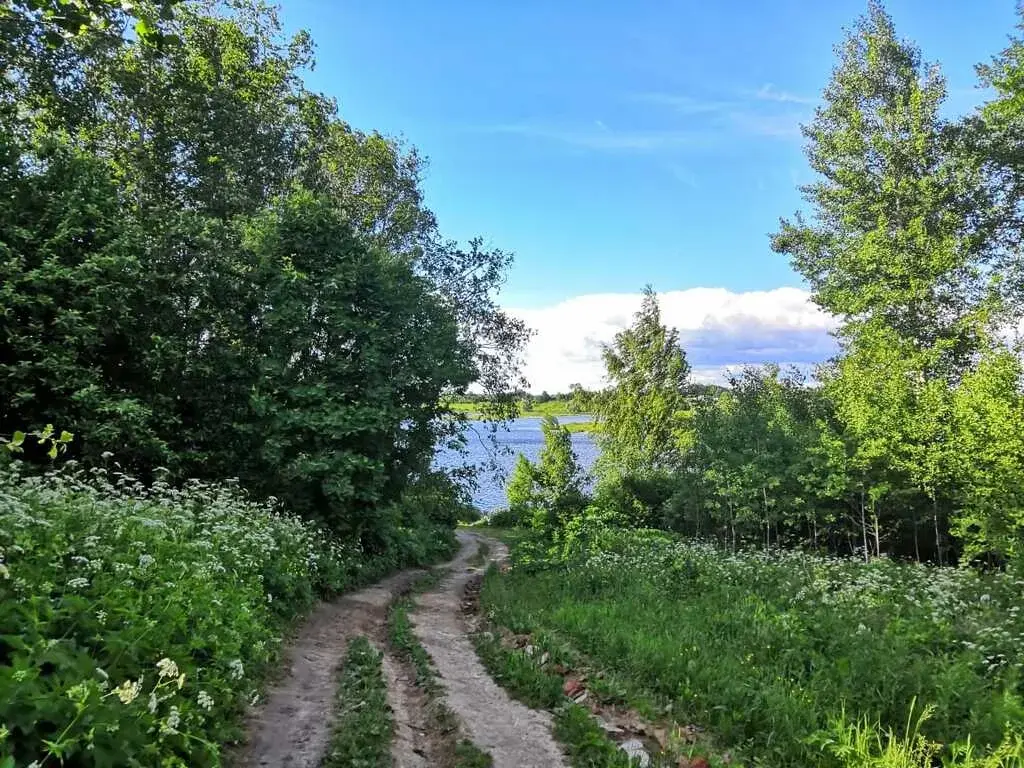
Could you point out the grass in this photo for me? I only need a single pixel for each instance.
(362, 730)
(482, 553)
(582, 426)
(772, 653)
(458, 752)
(527, 681)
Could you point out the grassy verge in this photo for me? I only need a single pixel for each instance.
(526, 680)
(457, 752)
(795, 660)
(582, 426)
(362, 730)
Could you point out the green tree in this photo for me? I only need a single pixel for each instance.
(988, 411)
(521, 489)
(559, 479)
(642, 412)
(206, 269)
(890, 238)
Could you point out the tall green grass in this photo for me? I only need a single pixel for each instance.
(770, 651)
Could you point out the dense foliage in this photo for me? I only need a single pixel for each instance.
(137, 623)
(206, 273)
(205, 269)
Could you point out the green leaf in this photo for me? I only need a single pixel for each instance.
(18, 438)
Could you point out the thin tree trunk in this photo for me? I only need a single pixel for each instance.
(864, 526)
(938, 535)
(874, 520)
(917, 545)
(814, 531)
(767, 520)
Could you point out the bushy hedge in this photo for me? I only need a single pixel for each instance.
(136, 623)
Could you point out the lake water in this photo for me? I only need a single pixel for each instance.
(518, 436)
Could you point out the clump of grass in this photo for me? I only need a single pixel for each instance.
(363, 727)
(469, 755)
(867, 745)
(482, 553)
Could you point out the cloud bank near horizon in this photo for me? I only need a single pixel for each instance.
(719, 329)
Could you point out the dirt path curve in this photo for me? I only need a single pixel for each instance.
(515, 735)
(291, 729)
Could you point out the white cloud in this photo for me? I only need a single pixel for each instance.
(719, 329)
(768, 92)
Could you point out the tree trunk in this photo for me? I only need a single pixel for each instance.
(864, 526)
(874, 522)
(767, 520)
(938, 535)
(917, 545)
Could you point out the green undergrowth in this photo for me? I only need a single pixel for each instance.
(138, 623)
(363, 726)
(459, 752)
(780, 655)
(534, 679)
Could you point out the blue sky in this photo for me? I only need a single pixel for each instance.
(613, 144)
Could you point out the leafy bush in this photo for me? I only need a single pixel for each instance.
(136, 623)
(767, 649)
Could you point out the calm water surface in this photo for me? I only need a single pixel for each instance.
(519, 436)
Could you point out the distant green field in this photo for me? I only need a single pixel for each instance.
(583, 426)
(555, 408)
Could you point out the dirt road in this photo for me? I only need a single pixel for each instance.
(291, 729)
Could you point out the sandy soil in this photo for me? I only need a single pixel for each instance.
(291, 728)
(515, 735)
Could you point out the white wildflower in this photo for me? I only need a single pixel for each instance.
(167, 668)
(172, 722)
(205, 700)
(129, 691)
(236, 669)
(78, 583)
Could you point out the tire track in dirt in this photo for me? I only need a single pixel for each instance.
(515, 735)
(292, 727)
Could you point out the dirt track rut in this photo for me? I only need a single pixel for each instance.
(515, 735)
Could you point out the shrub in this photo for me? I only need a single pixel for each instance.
(136, 623)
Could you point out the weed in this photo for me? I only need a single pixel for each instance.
(362, 730)
(530, 683)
